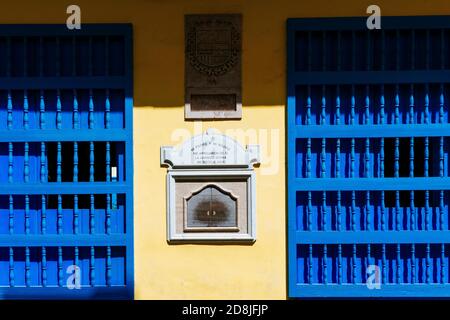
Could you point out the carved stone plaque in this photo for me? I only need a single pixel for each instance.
(213, 66)
(210, 149)
(210, 188)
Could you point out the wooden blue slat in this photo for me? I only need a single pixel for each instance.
(11, 267)
(66, 188)
(9, 117)
(76, 120)
(76, 253)
(443, 265)
(413, 264)
(365, 237)
(428, 264)
(27, 267)
(27, 214)
(310, 264)
(58, 111)
(91, 214)
(58, 162)
(383, 264)
(107, 111)
(368, 77)
(373, 184)
(60, 267)
(43, 164)
(94, 82)
(398, 264)
(43, 214)
(75, 214)
(25, 110)
(62, 293)
(59, 215)
(63, 135)
(75, 162)
(354, 263)
(412, 209)
(108, 266)
(441, 158)
(11, 214)
(108, 214)
(338, 160)
(92, 267)
(54, 240)
(41, 111)
(44, 266)
(26, 163)
(352, 152)
(339, 264)
(382, 153)
(371, 131)
(291, 195)
(91, 111)
(361, 290)
(10, 162)
(324, 264)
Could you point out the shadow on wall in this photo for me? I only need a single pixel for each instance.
(159, 63)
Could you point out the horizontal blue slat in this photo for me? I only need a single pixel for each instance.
(370, 77)
(65, 188)
(19, 83)
(361, 290)
(88, 29)
(360, 23)
(62, 240)
(371, 131)
(44, 135)
(354, 237)
(349, 184)
(114, 293)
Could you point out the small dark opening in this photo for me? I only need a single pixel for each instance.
(84, 201)
(404, 157)
(67, 161)
(405, 199)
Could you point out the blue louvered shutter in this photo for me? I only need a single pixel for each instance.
(368, 168)
(66, 168)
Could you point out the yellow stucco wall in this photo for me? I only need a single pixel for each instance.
(165, 271)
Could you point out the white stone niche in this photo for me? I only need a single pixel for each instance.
(210, 189)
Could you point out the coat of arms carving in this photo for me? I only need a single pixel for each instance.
(213, 46)
(213, 66)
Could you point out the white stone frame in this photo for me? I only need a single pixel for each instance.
(247, 175)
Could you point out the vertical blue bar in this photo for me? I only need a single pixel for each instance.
(129, 160)
(292, 219)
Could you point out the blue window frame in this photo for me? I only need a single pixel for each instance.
(66, 166)
(368, 157)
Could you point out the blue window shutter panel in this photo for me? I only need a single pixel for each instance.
(368, 145)
(66, 182)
